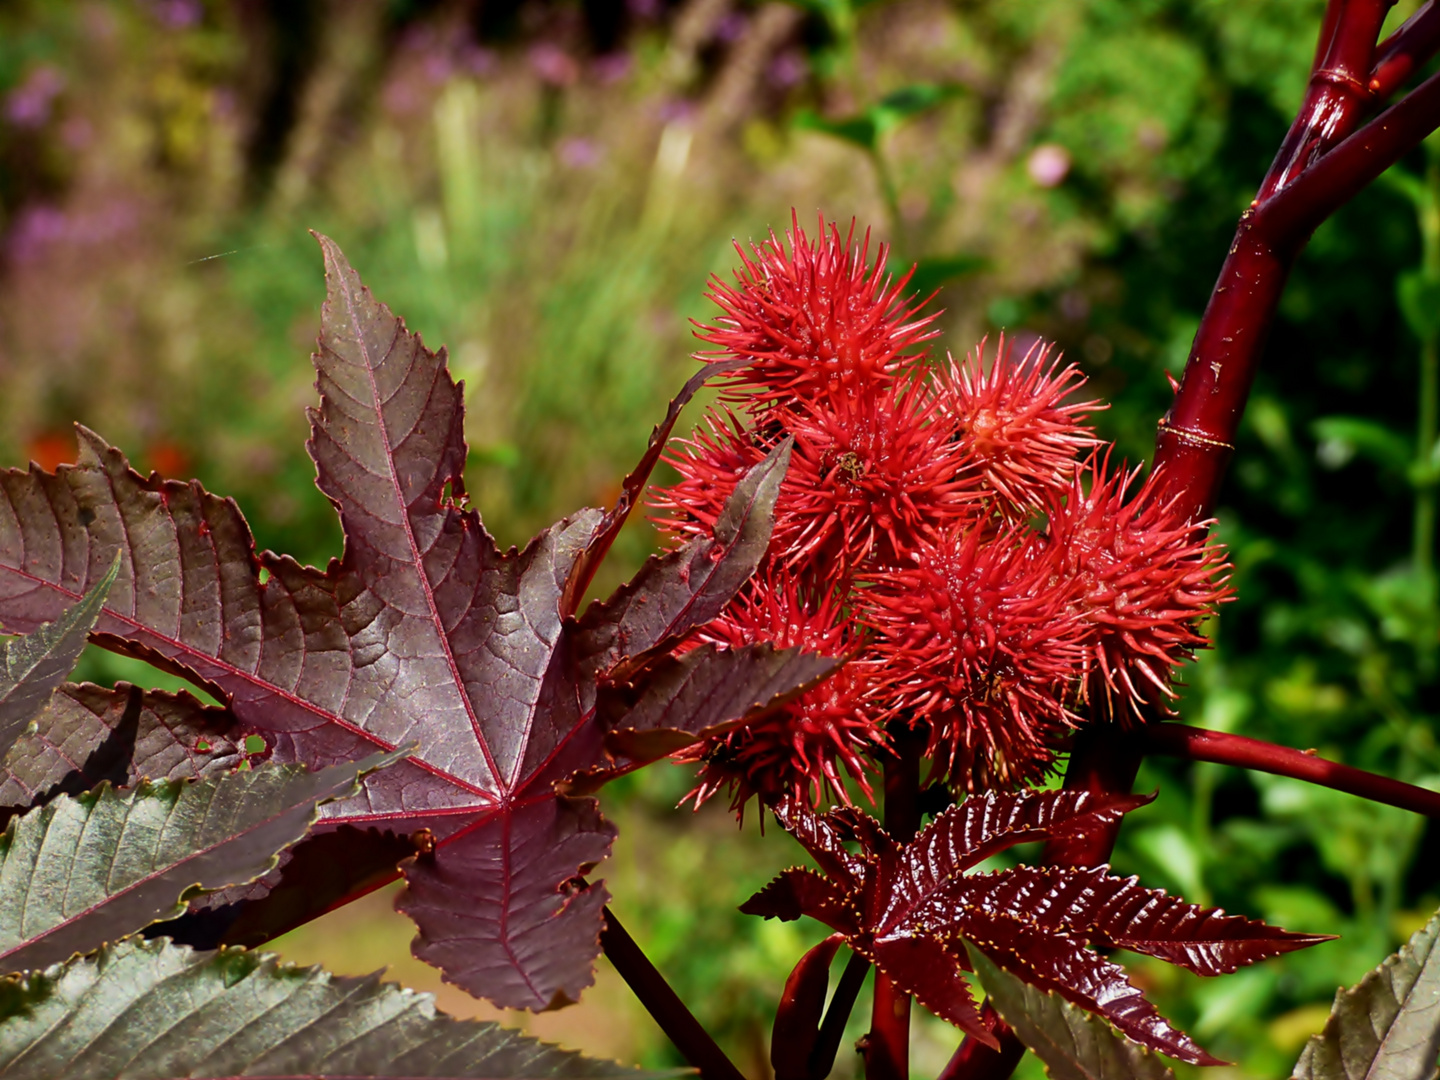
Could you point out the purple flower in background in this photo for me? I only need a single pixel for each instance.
(1048, 164)
(177, 14)
(477, 60)
(29, 104)
(612, 67)
(554, 65)
(676, 109)
(645, 10)
(787, 69)
(438, 67)
(35, 228)
(38, 228)
(577, 153)
(731, 27)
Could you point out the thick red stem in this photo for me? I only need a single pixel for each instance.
(1406, 50)
(887, 1046)
(679, 1025)
(1103, 759)
(1198, 744)
(1322, 162)
(1339, 91)
(976, 1061)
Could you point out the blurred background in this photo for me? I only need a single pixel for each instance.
(545, 185)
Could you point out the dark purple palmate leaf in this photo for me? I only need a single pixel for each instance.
(912, 910)
(423, 631)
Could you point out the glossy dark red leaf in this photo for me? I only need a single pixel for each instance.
(1094, 905)
(933, 976)
(1082, 977)
(799, 891)
(913, 910)
(424, 630)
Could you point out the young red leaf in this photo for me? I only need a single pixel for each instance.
(1060, 964)
(801, 1008)
(800, 891)
(1093, 905)
(1073, 1044)
(424, 630)
(912, 910)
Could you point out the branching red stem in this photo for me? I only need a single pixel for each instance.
(679, 1025)
(1338, 94)
(1199, 744)
(1406, 50)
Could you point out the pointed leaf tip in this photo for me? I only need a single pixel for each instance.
(31, 667)
(1072, 1043)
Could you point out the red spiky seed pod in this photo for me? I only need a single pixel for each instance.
(815, 318)
(1147, 579)
(800, 750)
(870, 479)
(980, 641)
(1016, 426)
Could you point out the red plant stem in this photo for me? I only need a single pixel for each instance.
(1199, 744)
(887, 1047)
(1322, 162)
(1405, 50)
(1196, 437)
(1338, 93)
(832, 1028)
(976, 1061)
(679, 1025)
(1102, 759)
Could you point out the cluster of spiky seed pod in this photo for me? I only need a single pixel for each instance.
(954, 527)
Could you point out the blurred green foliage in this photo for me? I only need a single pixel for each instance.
(544, 185)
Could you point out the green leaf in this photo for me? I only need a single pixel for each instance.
(1351, 435)
(152, 1010)
(857, 130)
(1073, 1044)
(1386, 1026)
(906, 103)
(866, 128)
(83, 870)
(31, 667)
(1419, 296)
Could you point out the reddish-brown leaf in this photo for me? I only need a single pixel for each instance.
(1093, 905)
(912, 910)
(799, 891)
(424, 630)
(1061, 964)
